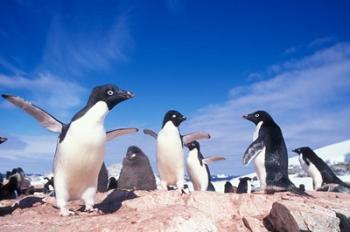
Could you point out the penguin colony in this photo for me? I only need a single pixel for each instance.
(79, 170)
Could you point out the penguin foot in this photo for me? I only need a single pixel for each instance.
(66, 212)
(93, 210)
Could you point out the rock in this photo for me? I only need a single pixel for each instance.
(172, 211)
(299, 216)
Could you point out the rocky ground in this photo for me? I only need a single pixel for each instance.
(197, 211)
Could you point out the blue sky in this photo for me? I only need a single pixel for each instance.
(211, 61)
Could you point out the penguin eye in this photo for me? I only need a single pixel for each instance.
(174, 115)
(110, 92)
(257, 115)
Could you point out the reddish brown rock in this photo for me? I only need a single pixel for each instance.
(171, 211)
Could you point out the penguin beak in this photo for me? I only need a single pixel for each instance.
(125, 94)
(183, 119)
(295, 150)
(246, 116)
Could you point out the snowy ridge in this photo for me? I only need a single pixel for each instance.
(332, 154)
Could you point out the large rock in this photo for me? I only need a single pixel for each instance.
(172, 211)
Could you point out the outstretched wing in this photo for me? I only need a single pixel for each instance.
(150, 133)
(44, 118)
(2, 140)
(194, 136)
(119, 132)
(212, 159)
(253, 150)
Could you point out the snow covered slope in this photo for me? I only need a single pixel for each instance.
(332, 154)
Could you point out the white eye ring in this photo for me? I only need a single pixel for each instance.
(257, 115)
(110, 92)
(174, 116)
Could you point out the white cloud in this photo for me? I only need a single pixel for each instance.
(308, 98)
(33, 153)
(84, 51)
(47, 91)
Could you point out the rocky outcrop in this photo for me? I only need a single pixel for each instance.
(173, 211)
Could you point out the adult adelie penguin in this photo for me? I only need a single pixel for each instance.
(319, 171)
(170, 156)
(81, 145)
(136, 173)
(270, 153)
(197, 168)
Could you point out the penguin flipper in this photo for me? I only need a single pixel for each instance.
(212, 159)
(2, 140)
(44, 118)
(194, 136)
(253, 150)
(150, 133)
(119, 132)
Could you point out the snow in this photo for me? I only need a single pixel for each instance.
(332, 154)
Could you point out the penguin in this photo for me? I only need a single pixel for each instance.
(170, 156)
(319, 171)
(2, 140)
(245, 185)
(136, 173)
(112, 183)
(81, 144)
(197, 167)
(229, 188)
(49, 186)
(270, 154)
(9, 190)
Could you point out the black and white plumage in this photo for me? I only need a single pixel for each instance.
(197, 167)
(81, 146)
(319, 171)
(245, 185)
(170, 156)
(136, 173)
(270, 154)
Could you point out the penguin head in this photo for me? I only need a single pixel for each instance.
(2, 140)
(175, 117)
(305, 151)
(245, 179)
(133, 153)
(193, 145)
(110, 94)
(258, 116)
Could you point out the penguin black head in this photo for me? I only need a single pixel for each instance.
(133, 153)
(110, 94)
(245, 179)
(258, 116)
(193, 145)
(306, 151)
(228, 187)
(2, 140)
(175, 117)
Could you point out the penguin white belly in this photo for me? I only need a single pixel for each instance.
(260, 168)
(80, 155)
(257, 130)
(312, 171)
(249, 186)
(170, 157)
(197, 172)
